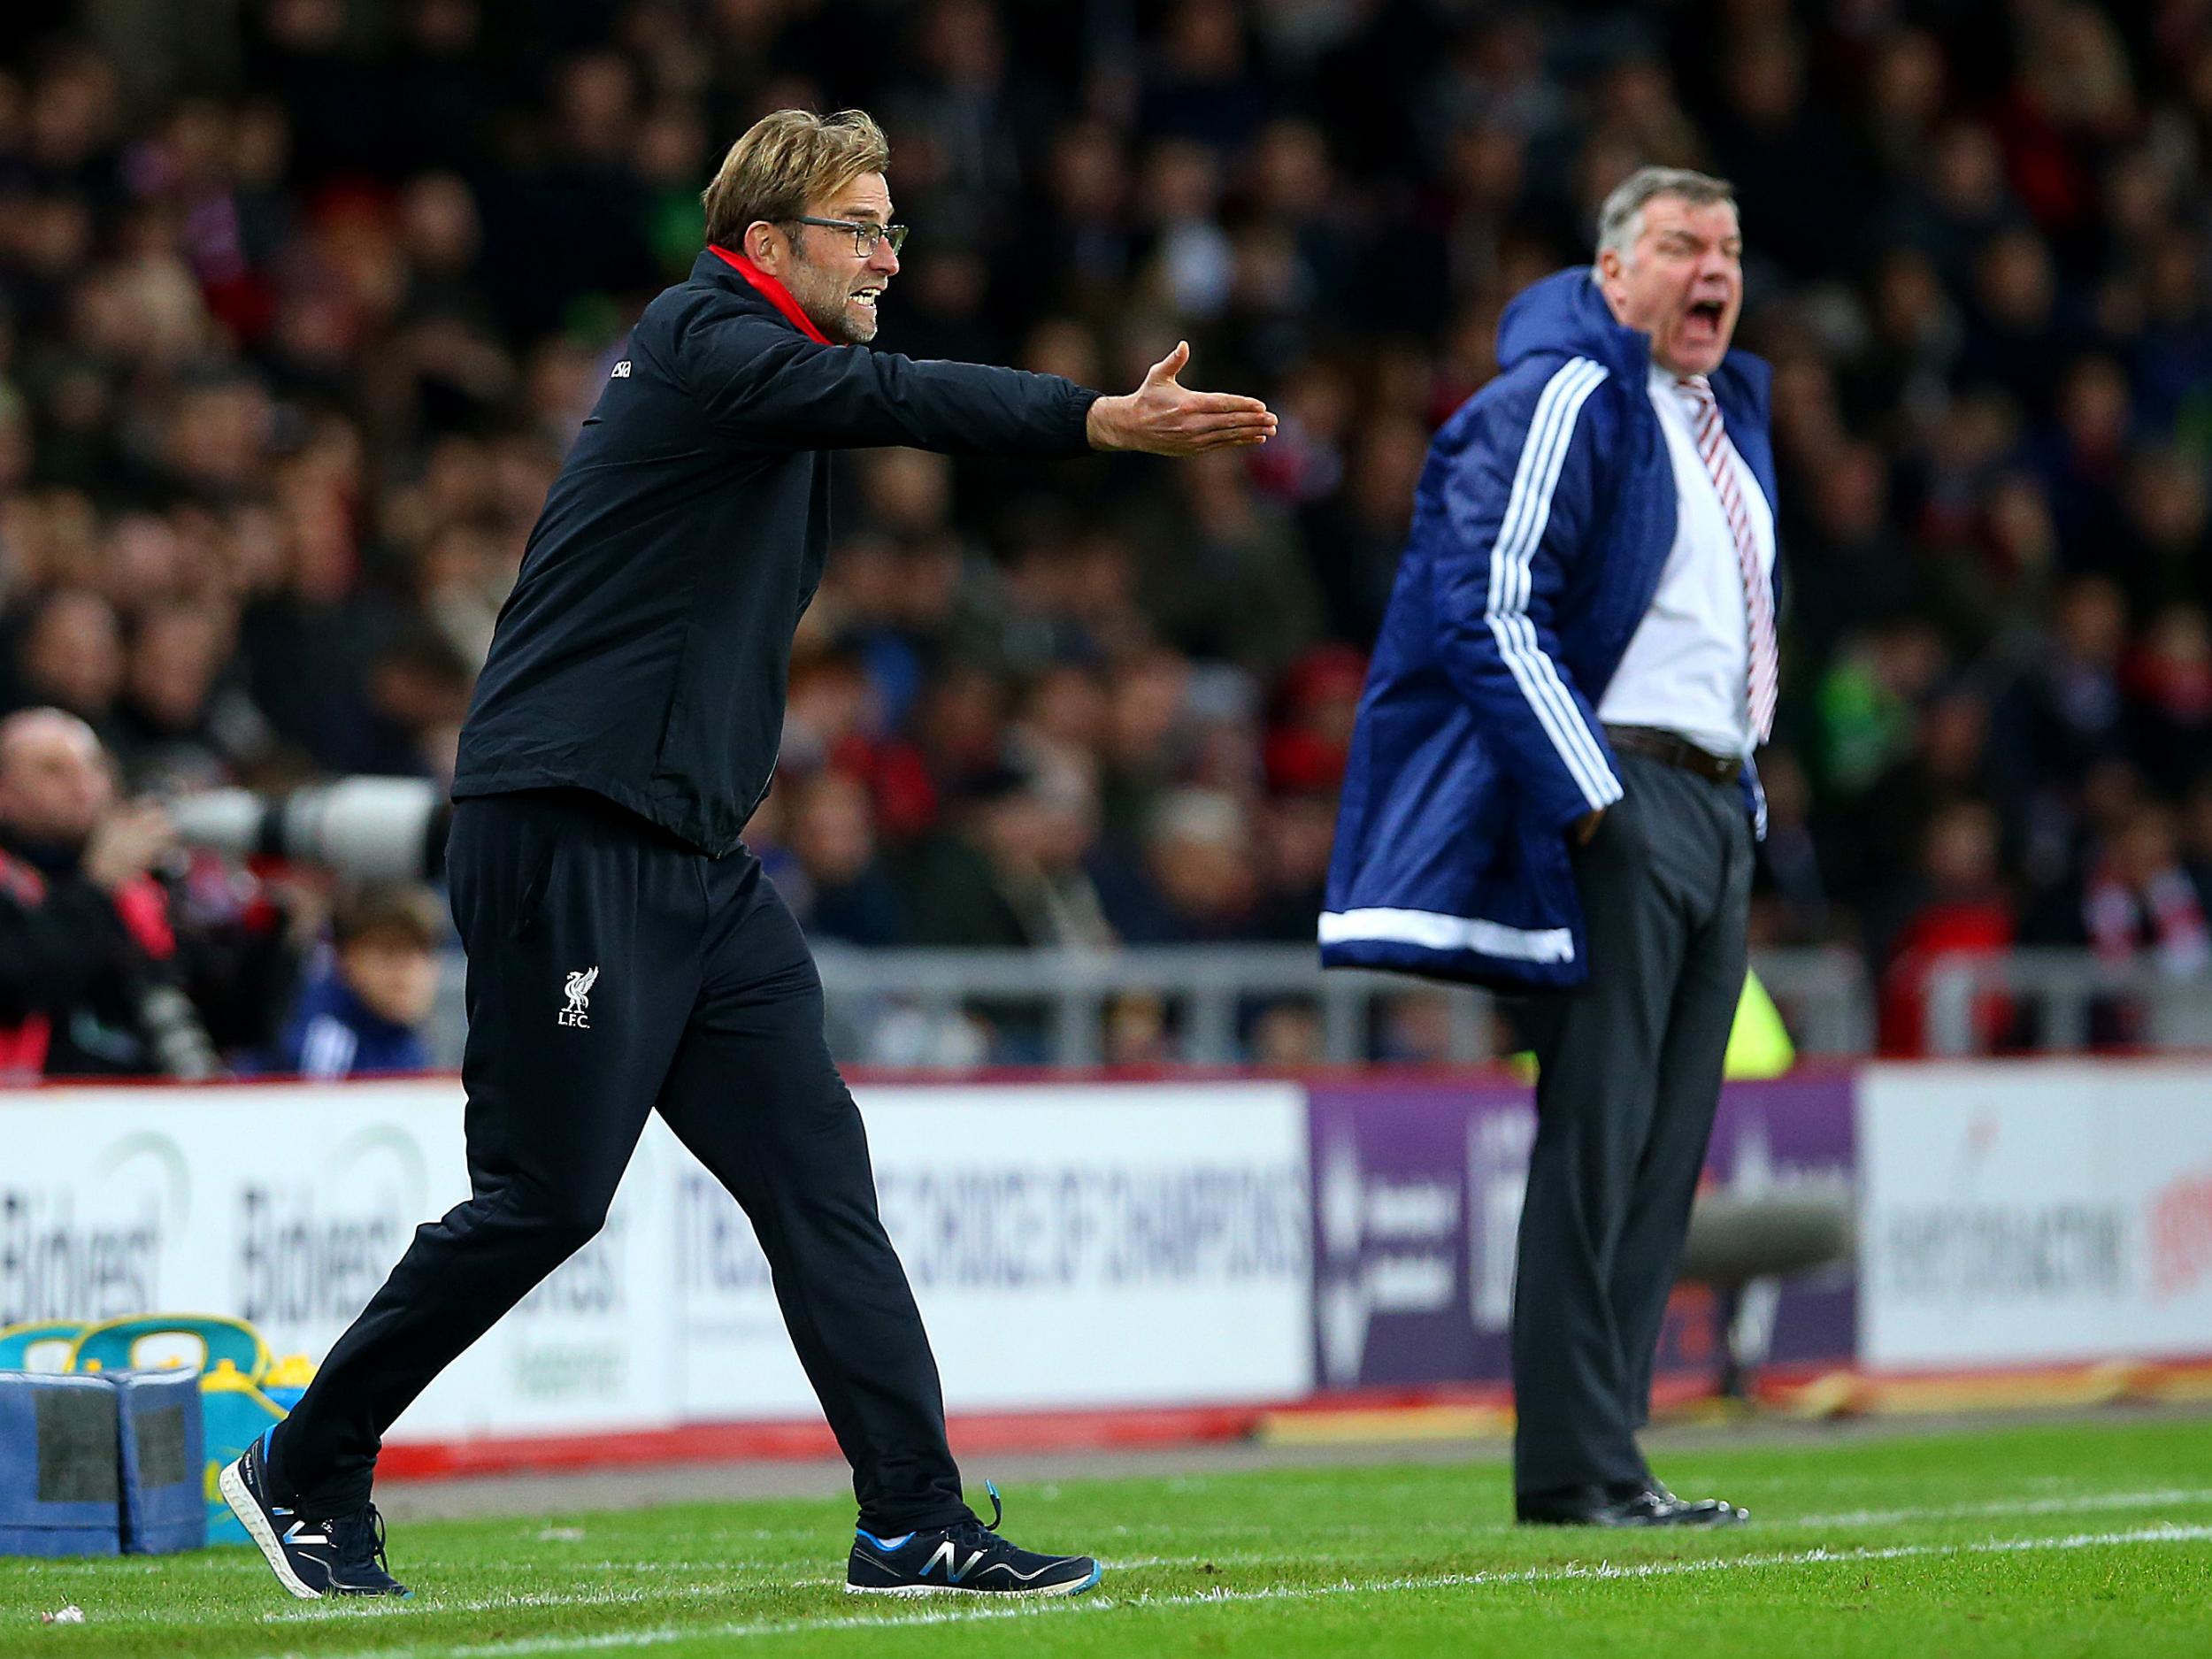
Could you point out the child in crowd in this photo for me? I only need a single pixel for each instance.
(368, 997)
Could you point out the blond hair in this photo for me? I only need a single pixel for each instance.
(786, 161)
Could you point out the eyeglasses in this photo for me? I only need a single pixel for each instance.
(867, 236)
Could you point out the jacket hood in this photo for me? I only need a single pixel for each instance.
(1565, 315)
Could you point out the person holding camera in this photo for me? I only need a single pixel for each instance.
(90, 980)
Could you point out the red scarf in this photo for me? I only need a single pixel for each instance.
(776, 294)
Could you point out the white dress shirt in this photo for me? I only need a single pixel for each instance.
(1688, 669)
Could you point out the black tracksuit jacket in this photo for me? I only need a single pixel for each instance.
(643, 653)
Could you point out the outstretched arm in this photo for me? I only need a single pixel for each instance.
(764, 384)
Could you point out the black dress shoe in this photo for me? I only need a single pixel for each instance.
(1621, 1506)
(1704, 1511)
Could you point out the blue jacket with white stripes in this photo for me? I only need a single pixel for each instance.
(1541, 522)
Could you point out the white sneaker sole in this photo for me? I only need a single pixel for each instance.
(233, 1486)
(910, 1590)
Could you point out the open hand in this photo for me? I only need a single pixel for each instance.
(125, 844)
(1163, 418)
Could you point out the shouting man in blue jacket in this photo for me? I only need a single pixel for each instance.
(1551, 788)
(626, 953)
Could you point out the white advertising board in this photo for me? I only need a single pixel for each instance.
(1069, 1245)
(2030, 1212)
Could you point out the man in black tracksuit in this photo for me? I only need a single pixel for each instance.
(625, 952)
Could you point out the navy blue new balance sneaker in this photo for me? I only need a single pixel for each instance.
(337, 1555)
(969, 1558)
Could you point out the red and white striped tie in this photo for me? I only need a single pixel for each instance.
(1758, 591)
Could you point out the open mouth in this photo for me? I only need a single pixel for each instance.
(1703, 319)
(868, 296)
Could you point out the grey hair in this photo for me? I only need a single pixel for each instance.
(1621, 220)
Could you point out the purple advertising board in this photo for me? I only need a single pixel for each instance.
(1417, 1189)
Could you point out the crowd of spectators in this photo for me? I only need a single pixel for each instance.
(302, 300)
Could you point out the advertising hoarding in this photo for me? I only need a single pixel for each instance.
(1418, 1192)
(1069, 1246)
(2034, 1212)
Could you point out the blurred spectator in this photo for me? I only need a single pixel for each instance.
(2169, 679)
(2138, 897)
(69, 655)
(364, 1008)
(2067, 712)
(1297, 833)
(1013, 871)
(1307, 740)
(1223, 572)
(2133, 893)
(1197, 879)
(1202, 84)
(1961, 911)
(1879, 852)
(1415, 1028)
(177, 723)
(89, 978)
(1286, 1037)
(1793, 171)
(2165, 540)
(417, 692)
(1355, 532)
(837, 887)
(1139, 1032)
(1867, 703)
(2018, 330)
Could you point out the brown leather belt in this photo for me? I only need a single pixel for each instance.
(1675, 751)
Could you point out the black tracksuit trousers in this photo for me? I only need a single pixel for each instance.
(706, 1006)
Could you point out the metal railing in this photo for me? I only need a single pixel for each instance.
(2059, 999)
(1061, 1003)
(919, 1008)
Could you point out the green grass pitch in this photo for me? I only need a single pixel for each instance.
(2048, 1541)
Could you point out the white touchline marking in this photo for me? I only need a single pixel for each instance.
(2080, 1504)
(394, 1608)
(1771, 1519)
(663, 1634)
(432, 1602)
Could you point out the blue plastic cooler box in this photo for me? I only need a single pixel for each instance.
(164, 1440)
(231, 1356)
(60, 1480)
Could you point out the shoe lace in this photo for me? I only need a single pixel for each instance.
(358, 1539)
(973, 1532)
